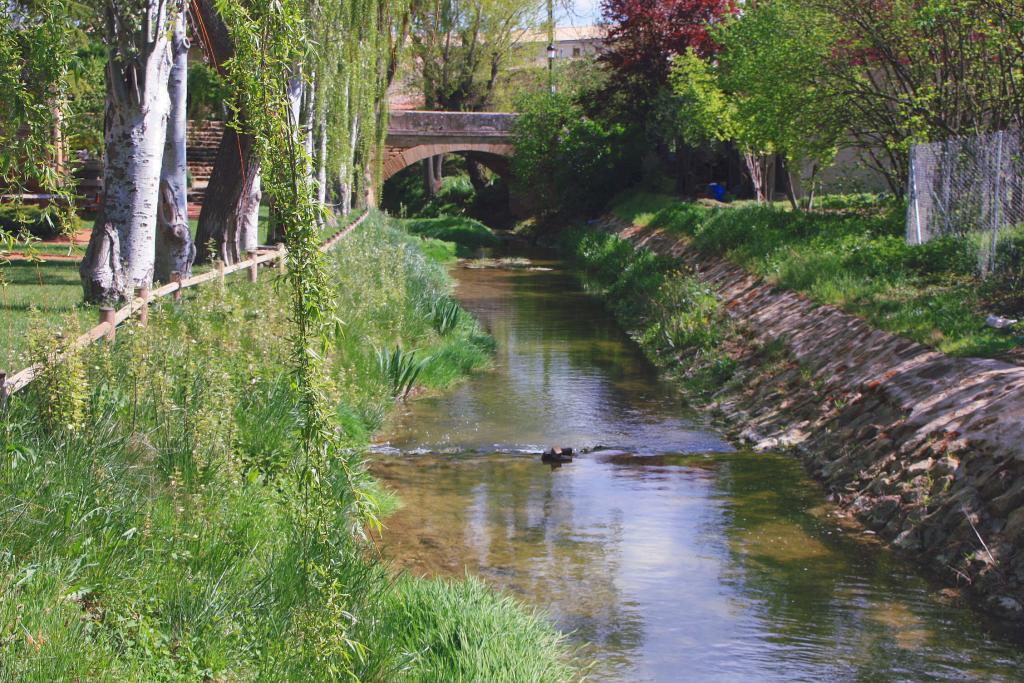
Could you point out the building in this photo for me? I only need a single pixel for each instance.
(571, 42)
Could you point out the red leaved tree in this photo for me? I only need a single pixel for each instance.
(644, 35)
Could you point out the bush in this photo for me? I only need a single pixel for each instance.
(567, 161)
(45, 223)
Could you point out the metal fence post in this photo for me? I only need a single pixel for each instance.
(3, 394)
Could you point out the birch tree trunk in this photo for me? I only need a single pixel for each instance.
(249, 217)
(135, 126)
(174, 249)
(346, 172)
(321, 161)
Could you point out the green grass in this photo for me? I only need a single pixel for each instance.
(54, 290)
(854, 258)
(468, 235)
(163, 539)
(677, 320)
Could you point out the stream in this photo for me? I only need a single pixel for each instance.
(669, 556)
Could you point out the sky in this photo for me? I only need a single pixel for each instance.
(584, 13)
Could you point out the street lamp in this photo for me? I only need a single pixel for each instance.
(552, 53)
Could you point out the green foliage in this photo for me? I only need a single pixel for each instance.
(42, 223)
(855, 259)
(566, 160)
(460, 49)
(400, 369)
(446, 313)
(207, 92)
(677, 320)
(460, 631)
(62, 385)
(159, 541)
(468, 235)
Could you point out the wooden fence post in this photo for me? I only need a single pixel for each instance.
(176, 278)
(143, 293)
(254, 268)
(107, 316)
(3, 394)
(220, 271)
(280, 258)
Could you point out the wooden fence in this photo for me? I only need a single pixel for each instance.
(139, 305)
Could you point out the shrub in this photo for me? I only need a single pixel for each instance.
(567, 161)
(45, 223)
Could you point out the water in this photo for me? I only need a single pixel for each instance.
(673, 557)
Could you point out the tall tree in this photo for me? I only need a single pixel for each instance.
(643, 37)
(121, 251)
(917, 70)
(174, 249)
(228, 204)
(36, 56)
(461, 47)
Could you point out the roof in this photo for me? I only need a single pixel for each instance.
(565, 34)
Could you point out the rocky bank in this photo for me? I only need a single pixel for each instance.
(925, 450)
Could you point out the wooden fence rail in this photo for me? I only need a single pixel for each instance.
(110, 319)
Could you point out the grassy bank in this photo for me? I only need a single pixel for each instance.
(51, 290)
(854, 256)
(151, 531)
(676, 319)
(467, 234)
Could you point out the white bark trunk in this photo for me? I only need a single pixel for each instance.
(347, 170)
(321, 162)
(135, 129)
(174, 249)
(249, 220)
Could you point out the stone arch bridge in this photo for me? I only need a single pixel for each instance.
(416, 135)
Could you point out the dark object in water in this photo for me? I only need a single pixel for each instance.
(557, 455)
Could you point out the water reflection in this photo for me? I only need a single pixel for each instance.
(674, 560)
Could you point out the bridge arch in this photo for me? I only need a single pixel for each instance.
(495, 156)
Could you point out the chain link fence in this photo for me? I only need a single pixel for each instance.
(970, 188)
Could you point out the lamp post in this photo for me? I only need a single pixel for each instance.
(552, 52)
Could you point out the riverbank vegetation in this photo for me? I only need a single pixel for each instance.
(154, 530)
(857, 259)
(677, 320)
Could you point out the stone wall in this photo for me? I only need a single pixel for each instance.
(924, 450)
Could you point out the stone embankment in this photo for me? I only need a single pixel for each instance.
(924, 450)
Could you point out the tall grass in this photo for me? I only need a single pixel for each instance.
(855, 257)
(157, 541)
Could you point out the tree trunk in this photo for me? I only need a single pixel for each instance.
(787, 174)
(235, 167)
(476, 174)
(321, 163)
(348, 157)
(249, 217)
(430, 182)
(135, 125)
(174, 248)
